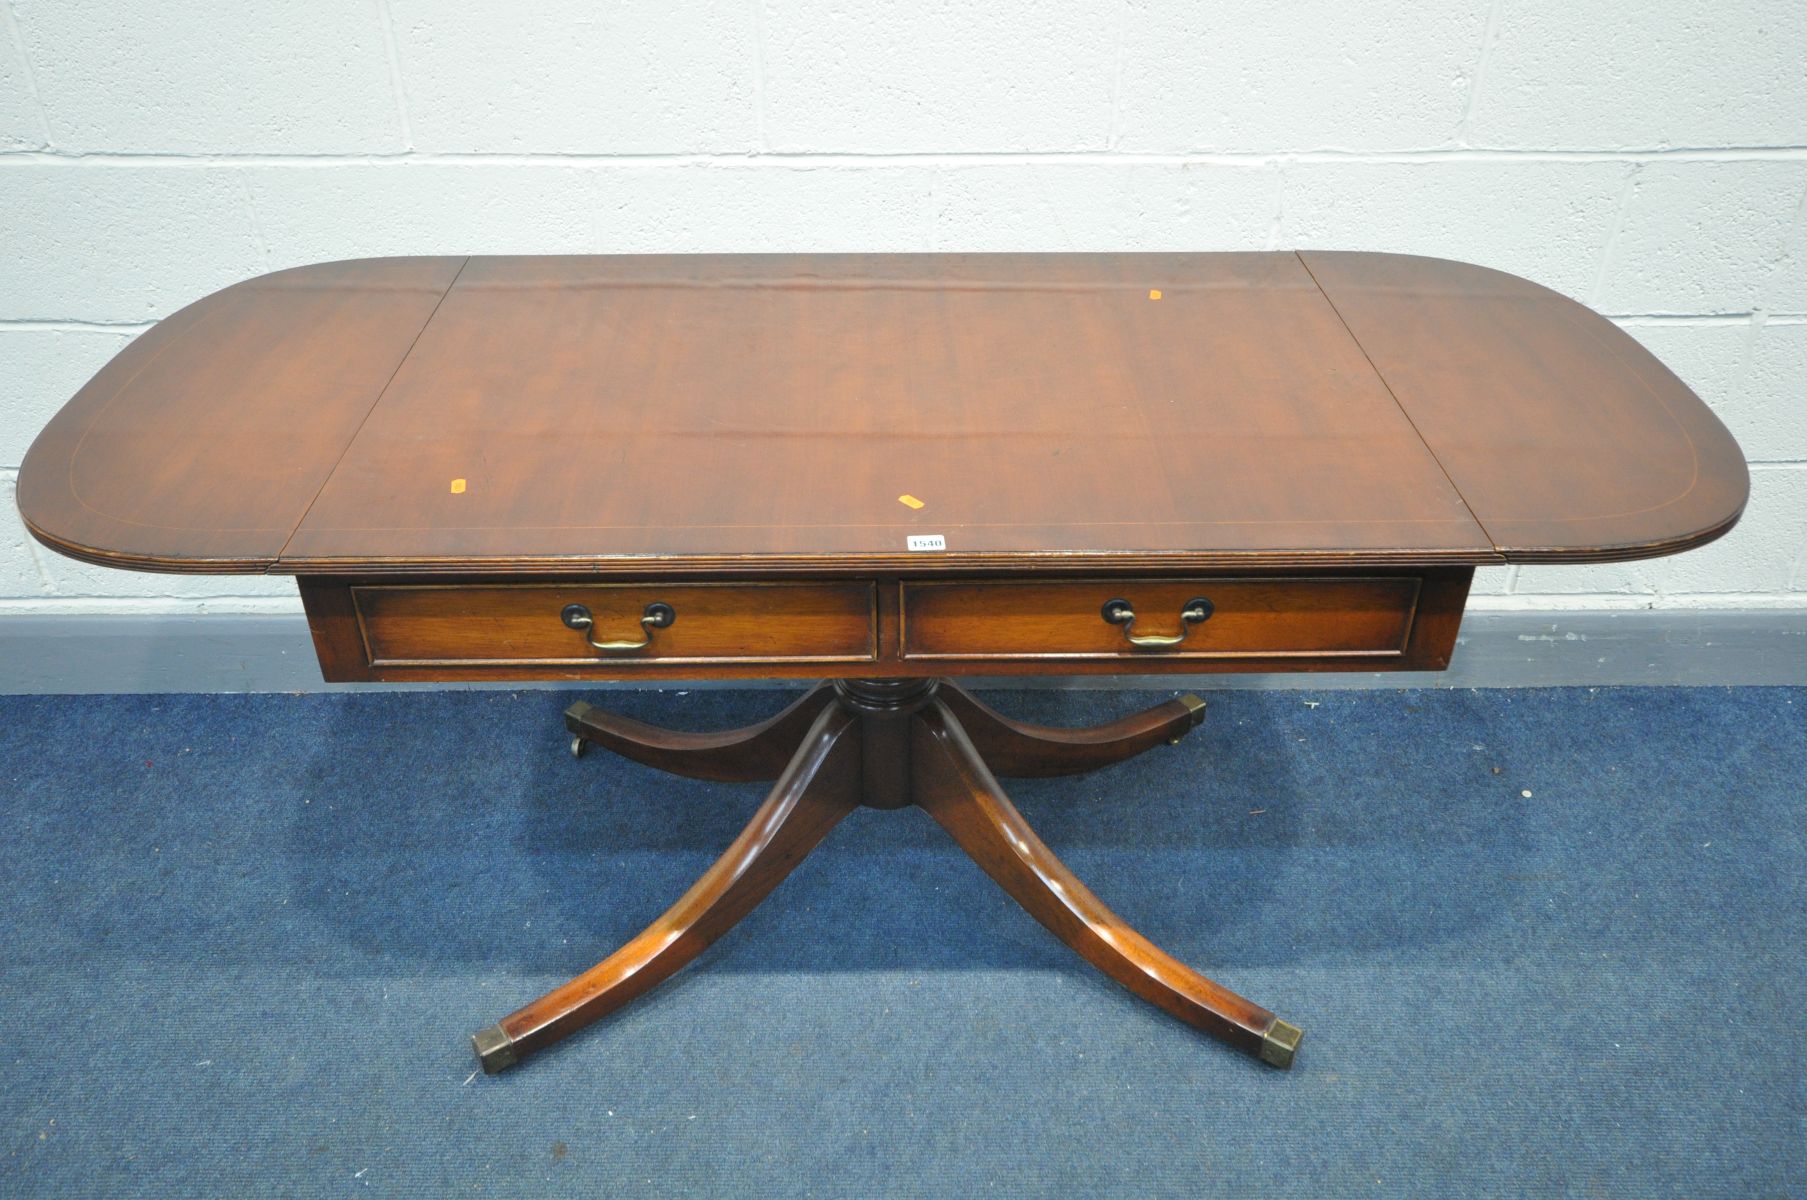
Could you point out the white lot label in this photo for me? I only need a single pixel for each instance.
(927, 541)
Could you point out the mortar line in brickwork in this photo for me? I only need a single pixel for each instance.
(72, 325)
(1621, 208)
(1749, 316)
(759, 89)
(10, 19)
(1793, 243)
(392, 52)
(975, 158)
(1489, 34)
(1644, 320)
(1113, 126)
(215, 604)
(1569, 604)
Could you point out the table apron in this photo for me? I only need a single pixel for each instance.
(487, 628)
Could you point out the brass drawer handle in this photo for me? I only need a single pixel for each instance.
(1119, 612)
(658, 616)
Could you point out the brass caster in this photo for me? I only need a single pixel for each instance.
(1197, 708)
(578, 746)
(495, 1050)
(1280, 1043)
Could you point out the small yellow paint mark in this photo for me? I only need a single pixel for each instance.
(457, 487)
(1154, 293)
(910, 501)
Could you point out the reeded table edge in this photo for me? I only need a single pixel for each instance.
(1627, 552)
(156, 564)
(858, 564)
(867, 564)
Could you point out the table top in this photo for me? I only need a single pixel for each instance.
(774, 414)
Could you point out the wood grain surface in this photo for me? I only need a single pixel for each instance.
(1568, 439)
(709, 410)
(1331, 619)
(200, 446)
(517, 624)
(1250, 618)
(809, 414)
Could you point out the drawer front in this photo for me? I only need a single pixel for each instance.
(1247, 618)
(501, 625)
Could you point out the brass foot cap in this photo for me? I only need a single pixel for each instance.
(1198, 709)
(1280, 1043)
(495, 1049)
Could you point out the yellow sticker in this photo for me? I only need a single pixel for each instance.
(909, 500)
(1154, 293)
(457, 486)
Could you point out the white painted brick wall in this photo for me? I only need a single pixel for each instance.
(1704, 237)
(1769, 410)
(211, 76)
(646, 77)
(1101, 205)
(1256, 77)
(21, 120)
(903, 76)
(40, 369)
(108, 242)
(1544, 220)
(315, 213)
(19, 574)
(1648, 158)
(1787, 281)
(1605, 74)
(738, 206)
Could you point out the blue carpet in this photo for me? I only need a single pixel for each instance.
(1543, 943)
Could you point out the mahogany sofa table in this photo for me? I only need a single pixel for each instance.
(885, 472)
